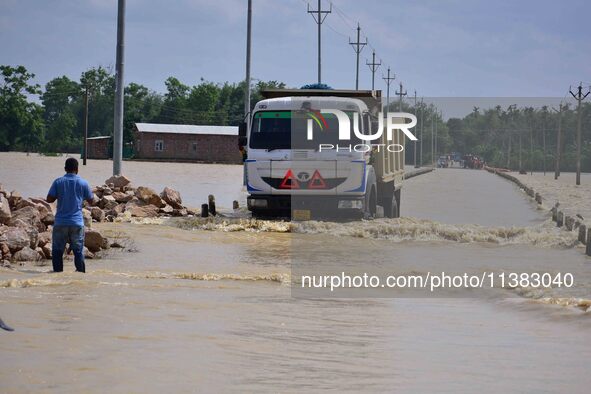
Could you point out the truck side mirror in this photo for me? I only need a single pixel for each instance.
(242, 129)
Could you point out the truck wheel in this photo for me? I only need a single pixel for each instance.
(391, 207)
(371, 205)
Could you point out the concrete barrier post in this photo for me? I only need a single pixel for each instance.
(588, 250)
(204, 210)
(235, 205)
(569, 221)
(539, 198)
(582, 233)
(559, 219)
(211, 204)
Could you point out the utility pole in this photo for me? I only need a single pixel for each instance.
(421, 139)
(432, 141)
(119, 88)
(436, 136)
(248, 41)
(319, 17)
(579, 96)
(521, 170)
(357, 47)
(400, 93)
(558, 143)
(388, 80)
(373, 66)
(509, 130)
(544, 138)
(415, 142)
(531, 150)
(85, 145)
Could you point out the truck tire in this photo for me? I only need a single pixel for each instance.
(371, 206)
(391, 207)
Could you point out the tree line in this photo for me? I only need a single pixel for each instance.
(52, 119)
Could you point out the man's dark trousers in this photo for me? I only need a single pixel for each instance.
(73, 235)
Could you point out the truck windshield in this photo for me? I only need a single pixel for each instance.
(288, 130)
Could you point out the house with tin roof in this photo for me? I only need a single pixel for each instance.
(177, 142)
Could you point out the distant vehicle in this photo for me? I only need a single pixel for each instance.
(442, 162)
(473, 162)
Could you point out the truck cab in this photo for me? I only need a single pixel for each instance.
(298, 167)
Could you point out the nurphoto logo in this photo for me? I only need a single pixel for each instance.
(394, 121)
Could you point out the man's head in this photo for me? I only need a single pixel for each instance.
(71, 166)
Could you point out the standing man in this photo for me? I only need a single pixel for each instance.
(70, 191)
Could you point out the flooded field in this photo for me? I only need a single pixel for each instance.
(206, 305)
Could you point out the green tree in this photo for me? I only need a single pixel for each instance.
(59, 100)
(17, 115)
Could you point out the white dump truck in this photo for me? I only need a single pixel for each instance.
(298, 166)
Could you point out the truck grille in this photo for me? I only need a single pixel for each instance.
(331, 183)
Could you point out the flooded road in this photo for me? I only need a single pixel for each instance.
(207, 305)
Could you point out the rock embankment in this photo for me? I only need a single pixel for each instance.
(117, 197)
(25, 230)
(26, 224)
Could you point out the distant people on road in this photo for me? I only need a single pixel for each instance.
(70, 191)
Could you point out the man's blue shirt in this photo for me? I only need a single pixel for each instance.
(70, 191)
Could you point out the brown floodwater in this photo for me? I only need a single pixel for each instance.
(208, 306)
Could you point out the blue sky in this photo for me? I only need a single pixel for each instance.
(438, 47)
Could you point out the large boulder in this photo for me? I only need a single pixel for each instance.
(97, 214)
(47, 252)
(166, 210)
(28, 214)
(121, 197)
(149, 196)
(44, 238)
(146, 211)
(15, 238)
(94, 241)
(5, 214)
(50, 207)
(108, 202)
(14, 199)
(26, 254)
(118, 181)
(5, 252)
(31, 231)
(172, 197)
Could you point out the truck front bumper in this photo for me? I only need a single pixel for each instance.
(318, 206)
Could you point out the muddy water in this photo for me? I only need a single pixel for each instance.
(207, 306)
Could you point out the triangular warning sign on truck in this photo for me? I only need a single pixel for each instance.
(289, 181)
(317, 181)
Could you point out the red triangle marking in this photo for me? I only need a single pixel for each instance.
(317, 181)
(289, 181)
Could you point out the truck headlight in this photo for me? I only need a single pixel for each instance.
(350, 204)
